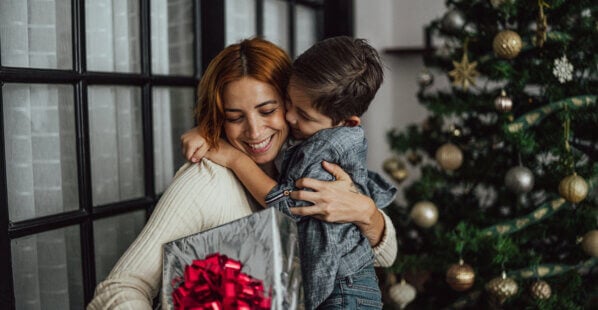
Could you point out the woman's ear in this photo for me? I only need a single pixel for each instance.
(352, 121)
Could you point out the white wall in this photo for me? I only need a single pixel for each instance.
(388, 24)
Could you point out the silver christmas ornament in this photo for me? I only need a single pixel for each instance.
(503, 103)
(425, 79)
(519, 179)
(453, 21)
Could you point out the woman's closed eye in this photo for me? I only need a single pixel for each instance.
(269, 111)
(234, 119)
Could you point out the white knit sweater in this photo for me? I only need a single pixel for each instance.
(201, 196)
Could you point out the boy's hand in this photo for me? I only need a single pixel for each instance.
(225, 155)
(193, 145)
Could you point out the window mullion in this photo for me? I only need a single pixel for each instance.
(7, 294)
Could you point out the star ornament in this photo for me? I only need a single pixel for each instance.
(464, 73)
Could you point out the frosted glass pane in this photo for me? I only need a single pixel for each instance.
(112, 35)
(46, 270)
(172, 114)
(112, 236)
(116, 143)
(276, 23)
(41, 153)
(239, 20)
(172, 37)
(305, 28)
(36, 33)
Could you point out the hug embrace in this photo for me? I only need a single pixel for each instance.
(251, 98)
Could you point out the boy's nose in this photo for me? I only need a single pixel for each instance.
(290, 117)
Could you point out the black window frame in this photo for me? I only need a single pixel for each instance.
(209, 15)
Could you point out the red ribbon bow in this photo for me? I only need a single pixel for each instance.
(217, 283)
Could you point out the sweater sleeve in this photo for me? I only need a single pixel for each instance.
(385, 252)
(136, 278)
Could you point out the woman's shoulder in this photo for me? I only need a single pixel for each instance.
(205, 168)
(206, 176)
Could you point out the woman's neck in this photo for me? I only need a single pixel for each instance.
(270, 169)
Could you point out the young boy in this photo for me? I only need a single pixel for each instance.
(331, 86)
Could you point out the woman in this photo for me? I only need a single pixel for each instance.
(253, 75)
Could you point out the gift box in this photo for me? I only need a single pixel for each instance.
(265, 245)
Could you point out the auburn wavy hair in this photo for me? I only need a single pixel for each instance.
(255, 58)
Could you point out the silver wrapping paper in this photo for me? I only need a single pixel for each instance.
(265, 242)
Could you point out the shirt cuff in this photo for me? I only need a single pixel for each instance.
(385, 252)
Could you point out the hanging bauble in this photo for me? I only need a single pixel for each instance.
(507, 44)
(589, 243)
(503, 103)
(460, 276)
(424, 214)
(453, 21)
(519, 179)
(501, 288)
(402, 293)
(573, 188)
(540, 290)
(425, 78)
(396, 169)
(414, 157)
(449, 156)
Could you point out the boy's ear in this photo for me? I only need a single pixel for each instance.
(352, 121)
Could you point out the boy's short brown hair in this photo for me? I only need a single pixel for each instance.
(341, 75)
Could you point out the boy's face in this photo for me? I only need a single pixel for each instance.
(304, 120)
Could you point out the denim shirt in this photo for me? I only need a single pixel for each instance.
(328, 250)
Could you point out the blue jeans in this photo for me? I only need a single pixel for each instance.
(357, 291)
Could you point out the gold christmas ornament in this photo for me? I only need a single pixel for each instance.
(507, 44)
(540, 290)
(449, 156)
(460, 276)
(541, 25)
(402, 293)
(503, 103)
(573, 188)
(424, 214)
(501, 288)
(464, 73)
(589, 243)
(396, 169)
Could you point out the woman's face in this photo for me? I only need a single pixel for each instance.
(254, 119)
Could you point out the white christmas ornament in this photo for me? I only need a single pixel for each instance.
(402, 293)
(563, 69)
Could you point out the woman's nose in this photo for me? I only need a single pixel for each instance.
(254, 129)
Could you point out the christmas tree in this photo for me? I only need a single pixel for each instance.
(505, 211)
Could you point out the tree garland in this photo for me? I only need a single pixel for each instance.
(545, 210)
(532, 118)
